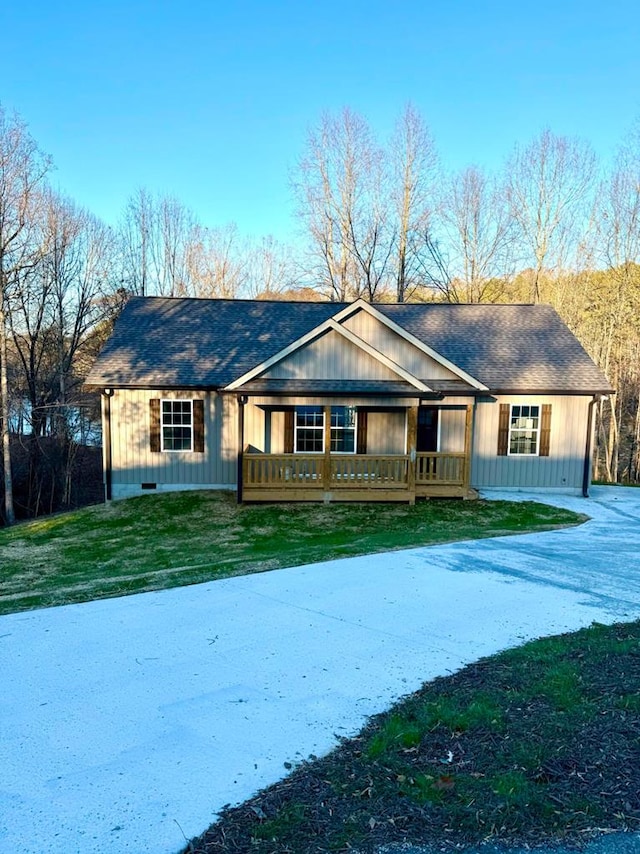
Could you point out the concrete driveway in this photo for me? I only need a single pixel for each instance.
(128, 723)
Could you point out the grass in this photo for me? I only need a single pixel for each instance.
(160, 541)
(536, 745)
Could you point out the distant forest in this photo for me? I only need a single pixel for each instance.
(378, 219)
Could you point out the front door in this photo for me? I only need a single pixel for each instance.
(427, 438)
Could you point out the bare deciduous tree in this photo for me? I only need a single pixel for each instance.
(413, 175)
(340, 200)
(23, 169)
(137, 235)
(54, 306)
(273, 269)
(480, 236)
(549, 181)
(619, 240)
(155, 235)
(217, 262)
(432, 265)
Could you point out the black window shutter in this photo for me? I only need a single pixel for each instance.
(361, 447)
(198, 426)
(503, 429)
(545, 430)
(288, 431)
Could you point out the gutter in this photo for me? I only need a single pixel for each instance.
(107, 394)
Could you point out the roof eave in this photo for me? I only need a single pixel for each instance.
(567, 392)
(162, 385)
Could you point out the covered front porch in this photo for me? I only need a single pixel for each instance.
(337, 451)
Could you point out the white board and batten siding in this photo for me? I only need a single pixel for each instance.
(330, 357)
(397, 348)
(451, 432)
(563, 469)
(133, 463)
(386, 432)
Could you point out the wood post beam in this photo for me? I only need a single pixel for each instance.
(326, 474)
(412, 440)
(468, 427)
(242, 401)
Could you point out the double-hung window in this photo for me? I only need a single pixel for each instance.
(343, 429)
(309, 432)
(177, 425)
(309, 429)
(524, 430)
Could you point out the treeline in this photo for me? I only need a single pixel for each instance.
(378, 219)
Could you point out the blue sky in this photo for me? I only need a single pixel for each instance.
(211, 102)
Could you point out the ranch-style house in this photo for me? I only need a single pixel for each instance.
(301, 401)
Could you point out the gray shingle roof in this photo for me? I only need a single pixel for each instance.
(504, 346)
(192, 343)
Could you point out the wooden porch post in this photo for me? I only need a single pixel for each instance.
(412, 438)
(468, 424)
(242, 400)
(326, 473)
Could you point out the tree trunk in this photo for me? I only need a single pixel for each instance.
(611, 446)
(634, 468)
(9, 512)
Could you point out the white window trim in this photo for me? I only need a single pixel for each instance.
(296, 428)
(537, 430)
(162, 426)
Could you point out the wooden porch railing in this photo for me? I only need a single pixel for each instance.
(351, 471)
(449, 469)
(360, 470)
(281, 470)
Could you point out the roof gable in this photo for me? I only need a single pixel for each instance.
(330, 351)
(411, 359)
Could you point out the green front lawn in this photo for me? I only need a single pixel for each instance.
(160, 541)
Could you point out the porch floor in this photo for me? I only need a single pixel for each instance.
(365, 495)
